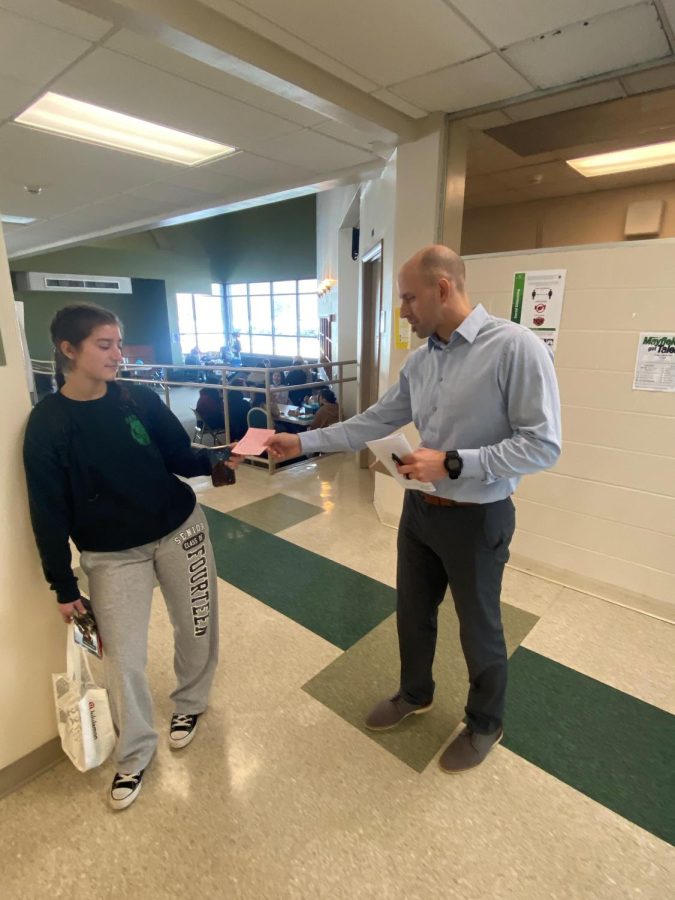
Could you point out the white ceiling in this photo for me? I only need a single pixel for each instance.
(335, 90)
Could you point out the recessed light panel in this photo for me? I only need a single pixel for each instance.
(647, 157)
(96, 125)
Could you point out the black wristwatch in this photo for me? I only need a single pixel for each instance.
(453, 464)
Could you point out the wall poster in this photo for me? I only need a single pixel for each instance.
(537, 303)
(655, 362)
(401, 330)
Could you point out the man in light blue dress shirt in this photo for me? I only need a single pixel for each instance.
(483, 395)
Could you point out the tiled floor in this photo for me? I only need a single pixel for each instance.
(281, 796)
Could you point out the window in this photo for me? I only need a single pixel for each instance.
(276, 318)
(200, 320)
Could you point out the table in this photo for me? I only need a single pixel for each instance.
(303, 422)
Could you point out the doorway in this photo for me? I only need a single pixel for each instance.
(371, 331)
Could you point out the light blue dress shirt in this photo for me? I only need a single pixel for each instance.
(491, 393)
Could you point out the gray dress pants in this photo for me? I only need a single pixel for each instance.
(121, 585)
(465, 547)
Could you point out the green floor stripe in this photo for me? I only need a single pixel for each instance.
(616, 749)
(274, 514)
(331, 600)
(369, 671)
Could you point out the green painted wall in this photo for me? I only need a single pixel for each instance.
(179, 263)
(143, 314)
(276, 241)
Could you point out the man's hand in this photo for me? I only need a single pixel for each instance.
(68, 609)
(424, 465)
(283, 446)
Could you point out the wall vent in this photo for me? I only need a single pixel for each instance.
(43, 281)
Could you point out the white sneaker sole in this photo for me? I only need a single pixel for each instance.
(182, 742)
(127, 801)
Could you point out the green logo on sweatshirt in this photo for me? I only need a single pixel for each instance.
(137, 428)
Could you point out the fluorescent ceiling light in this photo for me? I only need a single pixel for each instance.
(625, 160)
(17, 220)
(96, 125)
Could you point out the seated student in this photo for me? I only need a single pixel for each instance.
(258, 402)
(238, 406)
(329, 410)
(210, 408)
(277, 380)
(297, 377)
(257, 379)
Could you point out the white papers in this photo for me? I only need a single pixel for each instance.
(398, 444)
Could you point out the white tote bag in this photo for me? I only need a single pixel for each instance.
(82, 711)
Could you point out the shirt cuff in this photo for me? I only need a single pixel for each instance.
(471, 465)
(310, 441)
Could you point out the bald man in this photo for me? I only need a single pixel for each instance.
(482, 393)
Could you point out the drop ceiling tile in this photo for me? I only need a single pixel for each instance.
(61, 16)
(487, 120)
(669, 9)
(538, 176)
(614, 41)
(214, 184)
(380, 47)
(352, 136)
(650, 80)
(34, 53)
(399, 103)
(129, 86)
(484, 80)
(72, 173)
(257, 169)
(15, 96)
(553, 103)
(284, 38)
(315, 152)
(165, 193)
(176, 63)
(506, 21)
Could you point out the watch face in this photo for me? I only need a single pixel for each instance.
(453, 465)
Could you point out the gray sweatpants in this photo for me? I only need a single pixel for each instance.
(121, 585)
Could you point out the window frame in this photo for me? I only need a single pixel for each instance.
(249, 335)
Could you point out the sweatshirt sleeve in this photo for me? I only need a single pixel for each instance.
(50, 507)
(172, 439)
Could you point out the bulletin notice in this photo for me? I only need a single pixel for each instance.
(655, 362)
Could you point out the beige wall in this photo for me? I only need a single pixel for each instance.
(402, 209)
(607, 510)
(32, 635)
(334, 260)
(592, 218)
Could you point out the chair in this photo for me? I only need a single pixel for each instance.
(202, 430)
(256, 417)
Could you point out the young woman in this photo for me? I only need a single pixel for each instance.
(101, 462)
(328, 412)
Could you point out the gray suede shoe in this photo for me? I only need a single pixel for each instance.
(468, 750)
(389, 713)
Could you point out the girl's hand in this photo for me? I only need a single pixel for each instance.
(234, 461)
(67, 610)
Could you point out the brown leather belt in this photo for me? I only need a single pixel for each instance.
(433, 500)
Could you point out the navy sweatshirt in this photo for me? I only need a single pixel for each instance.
(102, 472)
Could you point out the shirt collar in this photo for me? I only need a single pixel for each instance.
(468, 329)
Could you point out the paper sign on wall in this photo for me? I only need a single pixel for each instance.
(402, 331)
(537, 302)
(655, 362)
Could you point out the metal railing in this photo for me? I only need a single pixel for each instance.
(157, 376)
